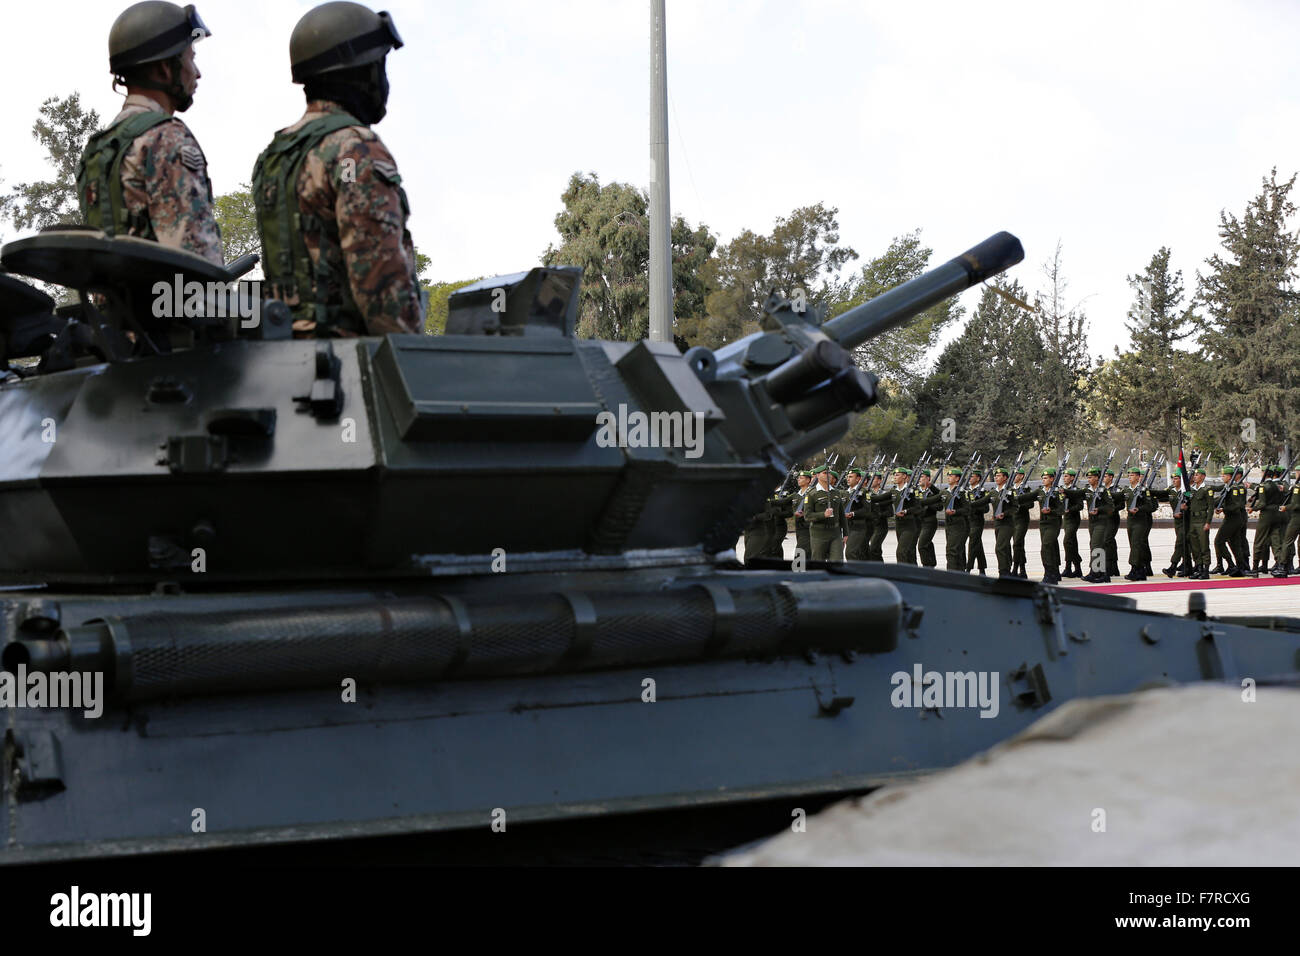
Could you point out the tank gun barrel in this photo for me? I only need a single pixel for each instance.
(994, 255)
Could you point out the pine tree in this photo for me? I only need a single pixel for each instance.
(1249, 341)
(1057, 389)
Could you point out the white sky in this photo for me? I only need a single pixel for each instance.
(1114, 127)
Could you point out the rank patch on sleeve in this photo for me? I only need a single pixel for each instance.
(387, 171)
(192, 158)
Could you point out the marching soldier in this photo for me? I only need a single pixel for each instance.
(779, 527)
(1020, 494)
(977, 506)
(1051, 514)
(932, 501)
(824, 511)
(1140, 508)
(1200, 505)
(799, 502)
(1112, 531)
(1227, 542)
(858, 521)
(1290, 510)
(1268, 527)
(144, 175)
(905, 517)
(758, 534)
(1003, 525)
(1100, 507)
(1074, 497)
(1181, 564)
(331, 209)
(955, 528)
(879, 501)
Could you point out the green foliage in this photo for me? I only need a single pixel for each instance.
(987, 380)
(62, 128)
(1250, 339)
(606, 231)
(802, 254)
(1056, 388)
(237, 218)
(422, 264)
(901, 354)
(435, 322)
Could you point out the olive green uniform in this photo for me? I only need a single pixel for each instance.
(1098, 530)
(1139, 507)
(1268, 527)
(1052, 504)
(1227, 541)
(824, 531)
(859, 526)
(933, 501)
(879, 502)
(1020, 513)
(1003, 531)
(1292, 514)
(1200, 510)
(1075, 497)
(1118, 498)
(1182, 558)
(955, 531)
(977, 506)
(906, 525)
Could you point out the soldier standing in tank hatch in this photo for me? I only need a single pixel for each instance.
(144, 175)
(331, 209)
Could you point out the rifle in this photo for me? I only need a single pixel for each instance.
(780, 489)
(1092, 502)
(1229, 484)
(1002, 495)
(1144, 485)
(961, 482)
(1250, 505)
(844, 475)
(1186, 481)
(911, 482)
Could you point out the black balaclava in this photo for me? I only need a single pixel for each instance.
(361, 90)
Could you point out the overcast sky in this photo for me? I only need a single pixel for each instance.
(1113, 127)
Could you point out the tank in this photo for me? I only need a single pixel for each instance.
(349, 588)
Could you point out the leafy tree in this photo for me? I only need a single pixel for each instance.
(62, 128)
(1148, 387)
(1057, 388)
(237, 217)
(902, 353)
(801, 255)
(986, 380)
(1250, 339)
(606, 231)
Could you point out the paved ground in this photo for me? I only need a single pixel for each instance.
(1223, 595)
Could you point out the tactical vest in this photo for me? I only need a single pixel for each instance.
(286, 261)
(99, 177)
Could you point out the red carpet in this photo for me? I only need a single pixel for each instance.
(1182, 584)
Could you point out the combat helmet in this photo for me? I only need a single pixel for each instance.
(337, 36)
(152, 30)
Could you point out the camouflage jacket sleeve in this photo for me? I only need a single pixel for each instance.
(371, 212)
(166, 173)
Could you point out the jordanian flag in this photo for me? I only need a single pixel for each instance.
(1182, 469)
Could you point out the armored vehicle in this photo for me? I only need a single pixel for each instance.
(338, 589)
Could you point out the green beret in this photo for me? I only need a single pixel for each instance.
(835, 475)
(924, 471)
(1135, 470)
(954, 472)
(1228, 471)
(820, 468)
(855, 470)
(1199, 471)
(1020, 471)
(900, 470)
(1072, 471)
(999, 470)
(977, 471)
(1094, 470)
(805, 474)
(877, 474)
(1049, 471)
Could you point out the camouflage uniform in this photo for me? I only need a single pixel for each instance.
(348, 183)
(166, 194)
